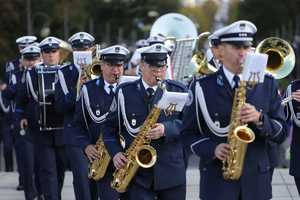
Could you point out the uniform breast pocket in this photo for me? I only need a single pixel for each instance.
(95, 109)
(136, 119)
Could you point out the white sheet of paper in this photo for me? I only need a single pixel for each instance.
(177, 99)
(255, 67)
(82, 58)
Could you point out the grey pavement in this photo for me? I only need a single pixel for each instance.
(283, 185)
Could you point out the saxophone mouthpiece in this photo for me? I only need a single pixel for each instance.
(117, 77)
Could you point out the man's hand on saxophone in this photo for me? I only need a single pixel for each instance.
(222, 151)
(119, 160)
(157, 131)
(249, 114)
(91, 152)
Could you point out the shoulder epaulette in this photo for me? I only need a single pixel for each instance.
(64, 65)
(126, 84)
(176, 83)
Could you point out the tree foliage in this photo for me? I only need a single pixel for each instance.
(112, 21)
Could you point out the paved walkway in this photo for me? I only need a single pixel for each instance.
(283, 186)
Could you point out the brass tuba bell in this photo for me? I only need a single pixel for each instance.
(65, 51)
(281, 60)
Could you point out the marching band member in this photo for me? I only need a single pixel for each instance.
(136, 58)
(9, 128)
(32, 188)
(65, 98)
(91, 110)
(293, 114)
(166, 179)
(213, 53)
(49, 144)
(206, 129)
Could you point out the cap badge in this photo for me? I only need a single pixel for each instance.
(81, 36)
(117, 49)
(242, 26)
(158, 48)
(31, 49)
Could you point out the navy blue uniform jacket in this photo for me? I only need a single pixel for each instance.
(218, 95)
(169, 170)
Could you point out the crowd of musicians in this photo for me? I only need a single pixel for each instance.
(54, 115)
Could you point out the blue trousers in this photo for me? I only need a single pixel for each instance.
(84, 188)
(105, 191)
(7, 144)
(29, 170)
(137, 192)
(51, 160)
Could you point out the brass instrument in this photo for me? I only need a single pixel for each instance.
(88, 71)
(94, 68)
(181, 39)
(139, 153)
(239, 136)
(65, 50)
(199, 60)
(281, 56)
(99, 166)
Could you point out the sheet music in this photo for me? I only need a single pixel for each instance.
(82, 58)
(175, 99)
(181, 58)
(255, 67)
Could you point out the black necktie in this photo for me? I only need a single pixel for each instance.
(111, 90)
(150, 92)
(236, 80)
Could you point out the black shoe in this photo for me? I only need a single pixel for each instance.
(20, 187)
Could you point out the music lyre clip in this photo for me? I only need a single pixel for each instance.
(170, 109)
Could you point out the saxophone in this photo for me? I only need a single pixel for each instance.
(139, 153)
(239, 136)
(99, 166)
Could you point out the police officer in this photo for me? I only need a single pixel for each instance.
(135, 100)
(293, 114)
(96, 97)
(206, 129)
(49, 144)
(65, 98)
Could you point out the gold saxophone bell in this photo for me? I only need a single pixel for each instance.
(281, 56)
(146, 156)
(244, 134)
